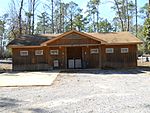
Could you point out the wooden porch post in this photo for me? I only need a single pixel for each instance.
(100, 57)
(65, 55)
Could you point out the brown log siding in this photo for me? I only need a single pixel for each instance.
(31, 58)
(91, 60)
(118, 59)
(60, 57)
(98, 60)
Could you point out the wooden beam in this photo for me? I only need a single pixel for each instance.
(74, 45)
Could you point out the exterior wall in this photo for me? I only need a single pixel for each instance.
(30, 62)
(60, 57)
(88, 60)
(101, 59)
(91, 60)
(118, 59)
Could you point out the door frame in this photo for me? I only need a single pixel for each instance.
(67, 59)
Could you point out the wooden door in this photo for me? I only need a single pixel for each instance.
(74, 57)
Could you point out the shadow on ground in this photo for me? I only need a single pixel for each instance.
(16, 73)
(8, 103)
(38, 110)
(137, 70)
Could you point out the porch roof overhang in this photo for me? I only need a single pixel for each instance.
(16, 46)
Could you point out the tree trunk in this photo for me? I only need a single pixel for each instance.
(33, 11)
(60, 23)
(29, 15)
(128, 18)
(52, 16)
(19, 18)
(119, 12)
(29, 23)
(71, 22)
(136, 29)
(97, 20)
(149, 10)
(63, 22)
(44, 30)
(94, 28)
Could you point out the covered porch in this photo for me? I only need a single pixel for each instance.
(75, 57)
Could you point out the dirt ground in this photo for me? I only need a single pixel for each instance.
(95, 91)
(86, 91)
(5, 67)
(145, 64)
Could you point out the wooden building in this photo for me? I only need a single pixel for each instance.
(73, 50)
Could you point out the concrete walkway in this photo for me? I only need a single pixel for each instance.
(28, 78)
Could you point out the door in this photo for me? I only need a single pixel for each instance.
(74, 56)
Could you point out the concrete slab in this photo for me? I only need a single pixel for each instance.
(28, 78)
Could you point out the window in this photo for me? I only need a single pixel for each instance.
(54, 52)
(109, 50)
(38, 52)
(124, 50)
(23, 53)
(94, 51)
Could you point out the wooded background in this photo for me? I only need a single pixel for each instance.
(24, 17)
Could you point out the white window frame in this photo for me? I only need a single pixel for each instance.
(54, 52)
(38, 52)
(109, 50)
(124, 50)
(94, 51)
(24, 53)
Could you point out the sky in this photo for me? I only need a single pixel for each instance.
(105, 7)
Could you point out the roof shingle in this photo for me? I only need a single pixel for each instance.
(110, 38)
(117, 37)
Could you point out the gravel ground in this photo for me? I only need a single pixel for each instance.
(83, 92)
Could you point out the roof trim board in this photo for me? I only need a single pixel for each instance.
(15, 46)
